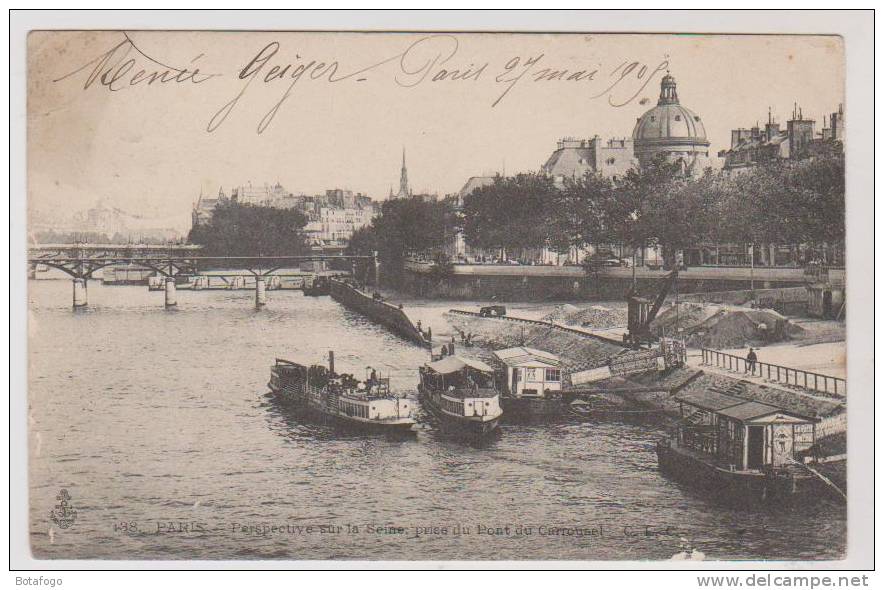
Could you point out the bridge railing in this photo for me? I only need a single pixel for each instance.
(777, 373)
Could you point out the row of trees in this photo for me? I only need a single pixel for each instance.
(783, 204)
(797, 203)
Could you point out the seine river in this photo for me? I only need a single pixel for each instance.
(159, 426)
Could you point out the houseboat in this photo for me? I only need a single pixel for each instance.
(530, 382)
(459, 392)
(341, 399)
(741, 450)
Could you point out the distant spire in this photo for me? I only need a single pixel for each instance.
(403, 178)
(769, 116)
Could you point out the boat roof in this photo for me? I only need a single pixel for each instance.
(709, 400)
(520, 354)
(753, 410)
(454, 364)
(735, 408)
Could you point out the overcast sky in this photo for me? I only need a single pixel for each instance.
(148, 148)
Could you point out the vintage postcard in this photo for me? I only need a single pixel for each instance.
(432, 296)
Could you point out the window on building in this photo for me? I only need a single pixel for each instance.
(553, 375)
(678, 117)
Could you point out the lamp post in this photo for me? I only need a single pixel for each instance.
(752, 267)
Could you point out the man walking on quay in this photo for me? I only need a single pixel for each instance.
(751, 359)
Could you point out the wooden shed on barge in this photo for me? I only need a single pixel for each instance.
(749, 449)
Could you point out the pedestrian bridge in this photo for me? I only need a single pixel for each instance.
(81, 261)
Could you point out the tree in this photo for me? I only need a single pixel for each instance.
(579, 212)
(249, 230)
(511, 213)
(404, 228)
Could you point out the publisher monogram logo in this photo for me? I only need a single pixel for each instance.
(63, 514)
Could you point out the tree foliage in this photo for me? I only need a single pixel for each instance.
(404, 228)
(511, 213)
(250, 230)
(782, 202)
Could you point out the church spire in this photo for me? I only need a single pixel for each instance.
(403, 179)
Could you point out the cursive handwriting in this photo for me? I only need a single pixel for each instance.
(118, 68)
(429, 60)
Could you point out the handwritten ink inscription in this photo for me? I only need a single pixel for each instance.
(431, 59)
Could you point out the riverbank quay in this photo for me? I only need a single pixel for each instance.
(391, 316)
(578, 350)
(516, 282)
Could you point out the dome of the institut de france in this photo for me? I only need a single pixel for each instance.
(671, 129)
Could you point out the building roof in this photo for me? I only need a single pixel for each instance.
(733, 407)
(709, 400)
(752, 410)
(571, 162)
(669, 120)
(475, 182)
(453, 364)
(521, 354)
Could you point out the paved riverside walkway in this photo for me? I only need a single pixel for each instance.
(695, 360)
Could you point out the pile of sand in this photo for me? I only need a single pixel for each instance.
(561, 313)
(596, 316)
(720, 326)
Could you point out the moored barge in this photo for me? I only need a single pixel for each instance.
(326, 396)
(741, 450)
(459, 392)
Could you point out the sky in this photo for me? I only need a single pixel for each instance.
(315, 111)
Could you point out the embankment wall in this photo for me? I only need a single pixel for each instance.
(381, 312)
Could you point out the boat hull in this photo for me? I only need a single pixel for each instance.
(738, 487)
(517, 409)
(300, 402)
(467, 426)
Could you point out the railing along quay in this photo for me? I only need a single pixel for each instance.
(777, 373)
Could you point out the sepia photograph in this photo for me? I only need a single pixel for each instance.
(416, 296)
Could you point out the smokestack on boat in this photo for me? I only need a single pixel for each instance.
(331, 361)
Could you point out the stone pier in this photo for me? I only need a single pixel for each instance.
(171, 300)
(80, 293)
(260, 292)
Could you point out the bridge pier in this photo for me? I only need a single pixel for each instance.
(80, 293)
(260, 292)
(171, 300)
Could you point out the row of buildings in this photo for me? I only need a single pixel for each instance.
(668, 128)
(679, 134)
(332, 218)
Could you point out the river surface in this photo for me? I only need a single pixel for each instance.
(159, 426)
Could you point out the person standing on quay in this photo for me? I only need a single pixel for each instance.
(751, 359)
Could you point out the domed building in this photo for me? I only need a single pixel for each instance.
(671, 129)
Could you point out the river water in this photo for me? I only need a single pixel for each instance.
(159, 426)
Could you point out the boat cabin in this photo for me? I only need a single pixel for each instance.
(465, 386)
(458, 372)
(529, 372)
(741, 434)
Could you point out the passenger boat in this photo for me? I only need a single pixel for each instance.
(741, 450)
(459, 392)
(321, 393)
